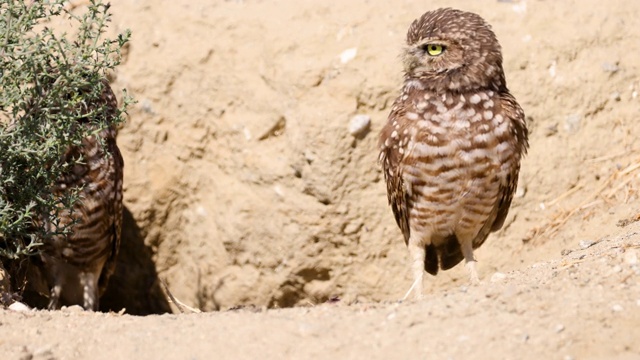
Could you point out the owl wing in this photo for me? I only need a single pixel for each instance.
(391, 161)
(115, 212)
(512, 111)
(117, 177)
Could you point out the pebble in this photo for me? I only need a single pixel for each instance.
(610, 68)
(463, 338)
(552, 69)
(348, 55)
(276, 128)
(585, 244)
(19, 307)
(559, 328)
(617, 308)
(146, 106)
(572, 123)
(497, 277)
(616, 96)
(352, 228)
(631, 257)
(278, 190)
(359, 125)
(72, 309)
(550, 130)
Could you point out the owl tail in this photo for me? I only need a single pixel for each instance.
(443, 257)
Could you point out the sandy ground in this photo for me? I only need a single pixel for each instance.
(246, 193)
(585, 305)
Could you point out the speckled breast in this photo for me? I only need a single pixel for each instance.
(457, 154)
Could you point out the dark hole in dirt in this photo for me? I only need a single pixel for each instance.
(135, 285)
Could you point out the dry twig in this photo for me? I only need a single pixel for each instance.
(625, 176)
(179, 304)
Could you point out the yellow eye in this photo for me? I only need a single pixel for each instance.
(435, 49)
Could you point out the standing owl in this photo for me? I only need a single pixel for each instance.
(74, 268)
(452, 145)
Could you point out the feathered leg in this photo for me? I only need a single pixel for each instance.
(470, 261)
(417, 253)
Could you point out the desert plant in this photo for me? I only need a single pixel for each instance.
(47, 80)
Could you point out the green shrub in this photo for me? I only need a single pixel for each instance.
(47, 78)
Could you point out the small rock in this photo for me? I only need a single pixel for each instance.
(610, 68)
(359, 125)
(43, 352)
(19, 307)
(616, 269)
(566, 252)
(616, 96)
(278, 190)
(72, 309)
(572, 123)
(552, 69)
(550, 130)
(309, 156)
(585, 244)
(520, 8)
(559, 328)
(276, 129)
(617, 308)
(352, 228)
(497, 277)
(631, 257)
(201, 211)
(463, 338)
(147, 106)
(348, 55)
(520, 192)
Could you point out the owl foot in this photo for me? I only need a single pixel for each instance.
(473, 272)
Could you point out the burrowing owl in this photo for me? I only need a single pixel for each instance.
(452, 146)
(73, 269)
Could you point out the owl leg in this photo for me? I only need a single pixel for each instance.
(417, 252)
(470, 261)
(89, 284)
(54, 297)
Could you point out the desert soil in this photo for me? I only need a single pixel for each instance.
(246, 194)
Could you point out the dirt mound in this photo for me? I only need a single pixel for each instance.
(248, 188)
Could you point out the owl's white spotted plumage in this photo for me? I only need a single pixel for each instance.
(453, 143)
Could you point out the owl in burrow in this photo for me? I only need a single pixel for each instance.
(74, 268)
(452, 145)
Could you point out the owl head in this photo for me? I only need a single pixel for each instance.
(453, 50)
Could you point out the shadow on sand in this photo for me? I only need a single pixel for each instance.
(135, 285)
